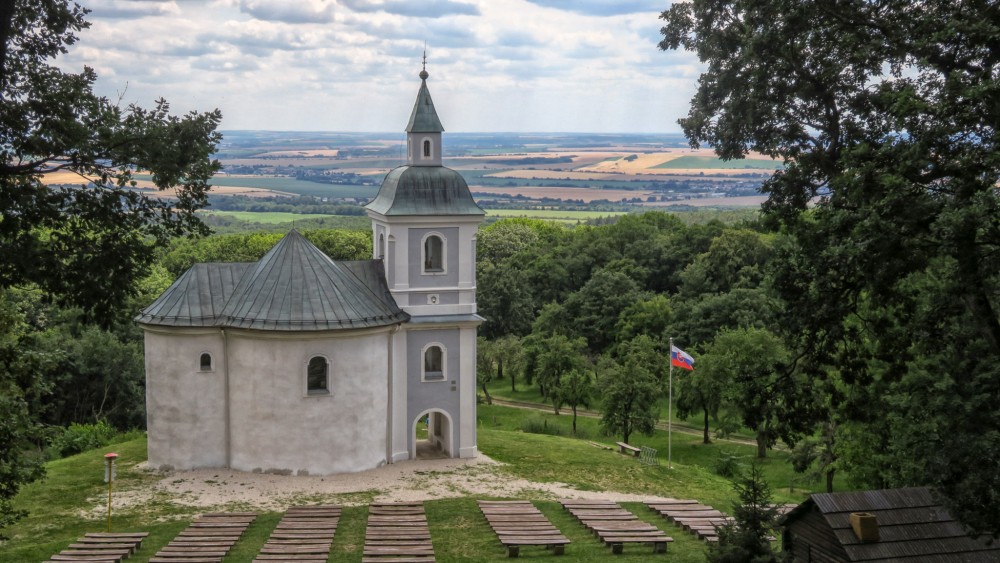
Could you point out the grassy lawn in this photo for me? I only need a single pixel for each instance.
(61, 506)
(530, 394)
(574, 461)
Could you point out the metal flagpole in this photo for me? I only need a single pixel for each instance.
(670, 408)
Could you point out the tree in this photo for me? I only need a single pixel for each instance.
(629, 392)
(700, 390)
(745, 539)
(510, 358)
(576, 388)
(84, 245)
(557, 357)
(595, 308)
(885, 113)
(20, 391)
(763, 391)
(819, 453)
(504, 300)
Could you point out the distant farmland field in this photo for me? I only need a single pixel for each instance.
(691, 162)
(294, 186)
(552, 214)
(586, 195)
(268, 217)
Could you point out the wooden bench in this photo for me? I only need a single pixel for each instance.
(397, 533)
(101, 547)
(616, 526)
(304, 535)
(207, 539)
(518, 523)
(628, 450)
(700, 519)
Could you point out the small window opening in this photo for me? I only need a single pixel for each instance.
(433, 259)
(317, 376)
(427, 149)
(381, 247)
(206, 362)
(433, 363)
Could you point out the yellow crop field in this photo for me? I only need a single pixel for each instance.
(643, 161)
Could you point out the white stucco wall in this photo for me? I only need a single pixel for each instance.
(184, 405)
(276, 426)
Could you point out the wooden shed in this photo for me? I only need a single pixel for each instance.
(898, 525)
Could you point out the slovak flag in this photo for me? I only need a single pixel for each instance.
(681, 359)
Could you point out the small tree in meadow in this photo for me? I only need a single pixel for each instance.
(745, 539)
(576, 388)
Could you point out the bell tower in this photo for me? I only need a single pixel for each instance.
(424, 224)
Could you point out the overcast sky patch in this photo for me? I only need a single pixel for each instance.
(605, 7)
(352, 65)
(423, 9)
(130, 9)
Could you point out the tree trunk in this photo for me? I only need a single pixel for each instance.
(574, 420)
(489, 399)
(761, 443)
(829, 480)
(705, 439)
(977, 299)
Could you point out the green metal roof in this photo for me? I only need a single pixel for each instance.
(197, 297)
(423, 118)
(294, 287)
(424, 190)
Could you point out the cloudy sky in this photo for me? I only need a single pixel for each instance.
(352, 65)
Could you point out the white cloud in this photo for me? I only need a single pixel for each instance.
(349, 65)
(131, 9)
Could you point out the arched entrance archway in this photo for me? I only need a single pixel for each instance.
(435, 437)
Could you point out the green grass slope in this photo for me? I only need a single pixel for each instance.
(62, 505)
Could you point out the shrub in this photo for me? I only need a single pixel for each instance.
(728, 464)
(82, 437)
(538, 425)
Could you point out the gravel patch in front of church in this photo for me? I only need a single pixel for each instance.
(419, 480)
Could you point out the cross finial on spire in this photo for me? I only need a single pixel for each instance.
(423, 71)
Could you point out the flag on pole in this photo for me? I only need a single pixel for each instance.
(681, 359)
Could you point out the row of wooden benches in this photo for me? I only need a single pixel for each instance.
(399, 532)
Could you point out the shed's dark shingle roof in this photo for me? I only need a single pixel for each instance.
(424, 190)
(294, 287)
(912, 525)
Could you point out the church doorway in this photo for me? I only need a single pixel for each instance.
(431, 436)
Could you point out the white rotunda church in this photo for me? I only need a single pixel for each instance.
(306, 365)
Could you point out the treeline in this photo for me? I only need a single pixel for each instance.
(301, 204)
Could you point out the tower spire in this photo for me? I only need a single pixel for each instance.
(423, 71)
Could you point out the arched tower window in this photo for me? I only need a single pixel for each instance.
(317, 375)
(433, 254)
(427, 148)
(433, 363)
(206, 362)
(381, 246)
